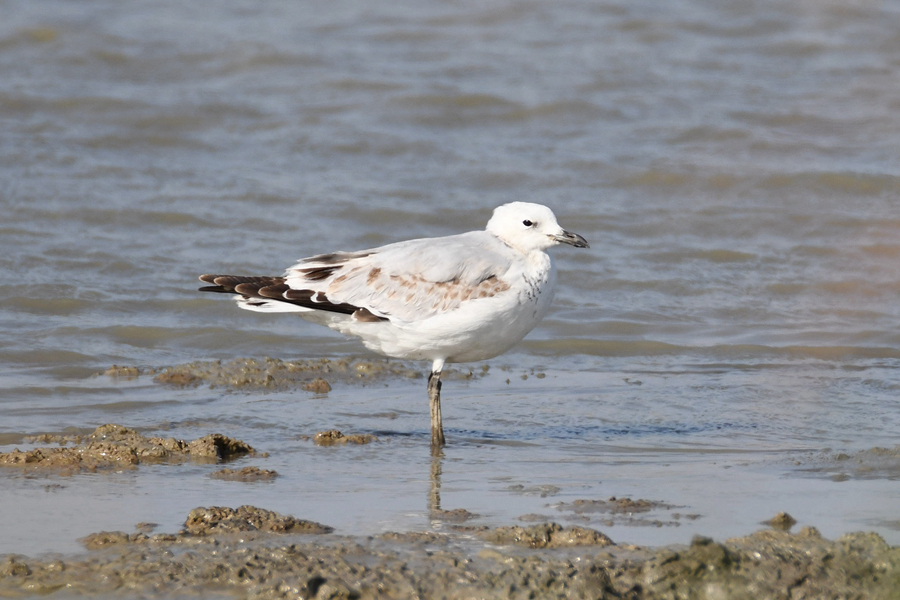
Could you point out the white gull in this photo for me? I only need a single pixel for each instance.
(459, 298)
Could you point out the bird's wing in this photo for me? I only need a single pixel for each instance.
(406, 281)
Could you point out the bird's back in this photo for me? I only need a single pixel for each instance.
(410, 281)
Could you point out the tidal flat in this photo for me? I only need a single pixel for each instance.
(249, 552)
(252, 552)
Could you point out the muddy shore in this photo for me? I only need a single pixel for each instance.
(250, 552)
(253, 553)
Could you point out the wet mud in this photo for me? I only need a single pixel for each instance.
(116, 447)
(253, 553)
(615, 512)
(624, 511)
(333, 437)
(246, 474)
(313, 375)
(455, 515)
(874, 463)
(250, 552)
(547, 535)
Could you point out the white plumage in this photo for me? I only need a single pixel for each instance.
(458, 298)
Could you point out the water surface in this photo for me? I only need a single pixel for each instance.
(733, 164)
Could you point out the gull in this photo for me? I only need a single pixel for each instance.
(460, 298)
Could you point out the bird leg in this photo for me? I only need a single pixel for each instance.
(434, 495)
(434, 398)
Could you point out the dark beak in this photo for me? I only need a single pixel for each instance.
(573, 239)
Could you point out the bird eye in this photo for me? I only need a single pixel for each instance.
(527, 223)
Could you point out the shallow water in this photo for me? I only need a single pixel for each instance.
(734, 166)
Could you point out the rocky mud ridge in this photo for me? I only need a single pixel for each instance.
(115, 447)
(248, 552)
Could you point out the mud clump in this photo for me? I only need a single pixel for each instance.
(123, 372)
(317, 386)
(113, 446)
(209, 522)
(216, 519)
(216, 445)
(455, 515)
(179, 378)
(536, 490)
(548, 535)
(612, 506)
(247, 474)
(49, 438)
(415, 537)
(333, 437)
(106, 539)
(782, 521)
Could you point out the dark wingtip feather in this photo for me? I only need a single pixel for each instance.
(212, 288)
(228, 284)
(275, 288)
(274, 291)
